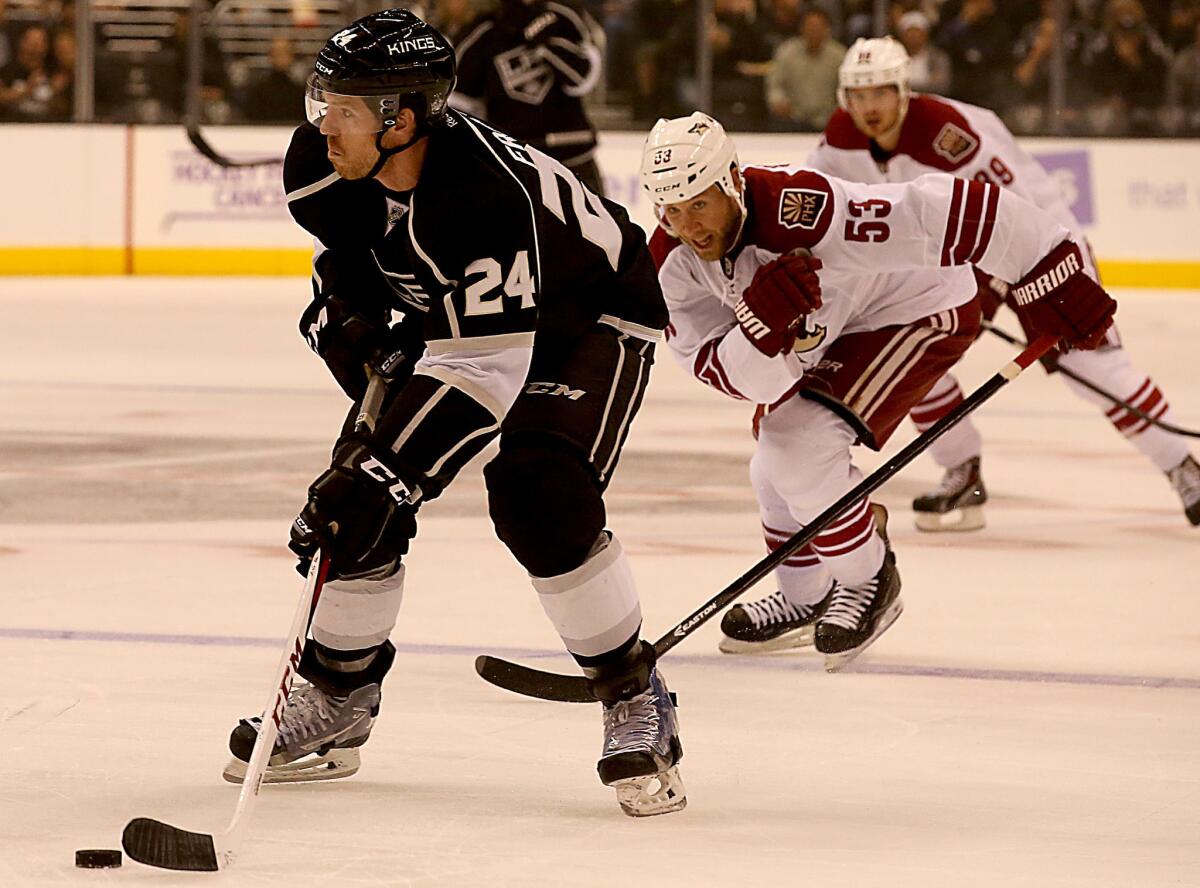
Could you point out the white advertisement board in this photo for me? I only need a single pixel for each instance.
(112, 199)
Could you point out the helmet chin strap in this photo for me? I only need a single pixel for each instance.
(386, 154)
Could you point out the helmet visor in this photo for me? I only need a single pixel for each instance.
(337, 113)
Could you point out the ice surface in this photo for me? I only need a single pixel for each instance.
(1032, 720)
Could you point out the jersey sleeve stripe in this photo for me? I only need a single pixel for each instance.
(301, 193)
(972, 220)
(708, 370)
(989, 223)
(952, 221)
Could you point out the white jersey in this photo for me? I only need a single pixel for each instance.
(891, 254)
(942, 135)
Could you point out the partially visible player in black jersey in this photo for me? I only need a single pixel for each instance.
(525, 69)
(531, 309)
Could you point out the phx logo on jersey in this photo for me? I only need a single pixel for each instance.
(801, 208)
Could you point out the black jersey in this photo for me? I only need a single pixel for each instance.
(527, 74)
(497, 242)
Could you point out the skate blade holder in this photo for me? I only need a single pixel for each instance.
(955, 521)
(839, 661)
(654, 794)
(796, 638)
(335, 764)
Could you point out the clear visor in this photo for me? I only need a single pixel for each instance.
(336, 113)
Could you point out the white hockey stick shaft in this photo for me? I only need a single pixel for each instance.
(228, 842)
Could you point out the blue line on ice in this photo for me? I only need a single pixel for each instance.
(799, 663)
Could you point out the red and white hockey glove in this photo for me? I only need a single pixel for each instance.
(1058, 298)
(782, 292)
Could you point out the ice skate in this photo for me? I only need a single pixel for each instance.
(1185, 478)
(770, 624)
(957, 504)
(319, 736)
(642, 752)
(857, 615)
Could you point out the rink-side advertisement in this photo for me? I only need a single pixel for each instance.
(146, 202)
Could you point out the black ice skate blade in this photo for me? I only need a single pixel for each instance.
(155, 843)
(533, 682)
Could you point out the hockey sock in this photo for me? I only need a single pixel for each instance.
(802, 578)
(850, 546)
(355, 615)
(594, 607)
(961, 442)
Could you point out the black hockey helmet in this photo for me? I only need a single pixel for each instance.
(389, 60)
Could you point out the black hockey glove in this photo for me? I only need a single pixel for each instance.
(358, 511)
(348, 341)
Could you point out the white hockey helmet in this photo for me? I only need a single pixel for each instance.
(685, 156)
(875, 61)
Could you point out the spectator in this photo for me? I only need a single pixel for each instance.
(452, 18)
(780, 20)
(25, 88)
(276, 96)
(741, 58)
(657, 63)
(62, 80)
(802, 83)
(1128, 65)
(929, 66)
(1184, 85)
(1181, 24)
(979, 45)
(171, 90)
(1033, 53)
(5, 38)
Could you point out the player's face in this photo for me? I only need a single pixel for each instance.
(875, 109)
(347, 128)
(708, 223)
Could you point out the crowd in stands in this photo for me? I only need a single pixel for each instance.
(1132, 67)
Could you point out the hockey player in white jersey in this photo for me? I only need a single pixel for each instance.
(836, 306)
(885, 133)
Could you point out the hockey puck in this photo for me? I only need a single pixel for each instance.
(97, 858)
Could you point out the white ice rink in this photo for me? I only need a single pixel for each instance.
(1032, 720)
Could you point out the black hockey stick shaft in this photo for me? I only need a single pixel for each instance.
(573, 688)
(202, 145)
(1091, 386)
(162, 845)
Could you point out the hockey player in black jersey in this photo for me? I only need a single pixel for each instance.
(525, 69)
(532, 310)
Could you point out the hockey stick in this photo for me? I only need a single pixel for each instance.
(1091, 386)
(201, 144)
(573, 689)
(155, 843)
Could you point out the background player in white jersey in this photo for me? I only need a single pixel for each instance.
(884, 133)
(836, 307)
(533, 311)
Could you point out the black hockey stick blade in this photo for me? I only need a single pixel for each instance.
(573, 688)
(155, 843)
(533, 682)
(201, 144)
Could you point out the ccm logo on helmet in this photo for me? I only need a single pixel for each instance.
(402, 46)
(1047, 281)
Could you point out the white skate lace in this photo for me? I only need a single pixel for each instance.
(849, 603)
(1185, 478)
(308, 713)
(632, 724)
(956, 480)
(775, 608)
